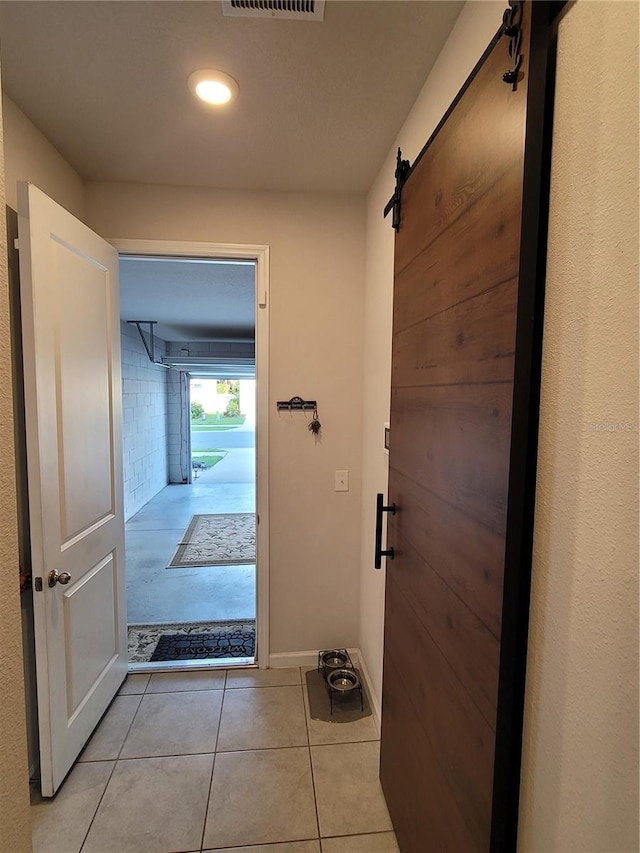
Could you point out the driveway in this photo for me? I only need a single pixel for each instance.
(226, 439)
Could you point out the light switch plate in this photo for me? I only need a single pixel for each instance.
(342, 481)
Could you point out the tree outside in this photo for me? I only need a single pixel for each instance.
(216, 401)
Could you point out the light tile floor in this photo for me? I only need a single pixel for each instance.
(219, 760)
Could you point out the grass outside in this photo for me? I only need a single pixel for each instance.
(208, 459)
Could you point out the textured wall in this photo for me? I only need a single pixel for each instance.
(144, 421)
(15, 830)
(580, 772)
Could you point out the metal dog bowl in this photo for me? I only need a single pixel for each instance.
(343, 680)
(333, 659)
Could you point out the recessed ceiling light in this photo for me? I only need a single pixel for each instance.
(213, 87)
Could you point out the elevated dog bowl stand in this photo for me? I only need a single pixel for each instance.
(339, 674)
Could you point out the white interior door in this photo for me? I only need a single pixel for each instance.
(71, 339)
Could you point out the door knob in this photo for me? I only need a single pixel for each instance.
(58, 577)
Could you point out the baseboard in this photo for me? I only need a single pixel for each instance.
(310, 658)
(376, 710)
(281, 659)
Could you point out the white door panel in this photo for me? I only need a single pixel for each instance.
(71, 333)
(83, 384)
(91, 640)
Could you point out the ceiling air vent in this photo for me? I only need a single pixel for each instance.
(299, 10)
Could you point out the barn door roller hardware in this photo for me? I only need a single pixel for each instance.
(402, 170)
(512, 28)
(150, 346)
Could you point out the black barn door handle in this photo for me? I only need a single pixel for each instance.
(380, 508)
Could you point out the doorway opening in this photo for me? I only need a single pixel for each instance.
(191, 407)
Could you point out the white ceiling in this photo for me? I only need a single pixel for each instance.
(190, 300)
(320, 102)
(319, 107)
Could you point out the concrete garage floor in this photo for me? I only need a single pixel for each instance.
(158, 594)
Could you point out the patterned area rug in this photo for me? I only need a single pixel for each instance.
(227, 539)
(144, 639)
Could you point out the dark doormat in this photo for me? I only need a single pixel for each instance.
(233, 642)
(346, 706)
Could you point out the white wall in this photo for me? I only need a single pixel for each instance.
(15, 830)
(580, 772)
(144, 421)
(29, 156)
(317, 262)
(474, 29)
(580, 764)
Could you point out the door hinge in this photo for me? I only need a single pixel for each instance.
(37, 584)
(402, 171)
(16, 244)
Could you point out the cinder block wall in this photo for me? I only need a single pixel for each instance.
(144, 421)
(178, 420)
(212, 349)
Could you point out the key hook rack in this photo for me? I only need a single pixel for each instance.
(296, 404)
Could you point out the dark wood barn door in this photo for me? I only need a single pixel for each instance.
(468, 267)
